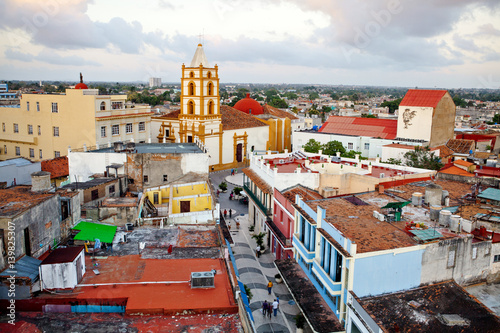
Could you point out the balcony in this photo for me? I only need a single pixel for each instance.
(255, 199)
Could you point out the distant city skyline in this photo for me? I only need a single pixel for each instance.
(445, 43)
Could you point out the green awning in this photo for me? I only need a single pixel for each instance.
(395, 205)
(90, 231)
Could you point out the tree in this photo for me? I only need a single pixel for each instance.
(332, 147)
(277, 103)
(394, 161)
(312, 146)
(314, 95)
(368, 116)
(496, 118)
(392, 105)
(423, 158)
(459, 101)
(352, 154)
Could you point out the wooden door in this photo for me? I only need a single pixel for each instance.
(185, 206)
(239, 152)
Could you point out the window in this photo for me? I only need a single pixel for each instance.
(191, 74)
(191, 89)
(3, 127)
(18, 151)
(367, 146)
(57, 154)
(190, 107)
(496, 258)
(32, 153)
(210, 107)
(142, 126)
(165, 178)
(115, 130)
(111, 189)
(128, 128)
(16, 128)
(37, 106)
(210, 88)
(41, 155)
(94, 194)
(27, 106)
(474, 252)
(350, 145)
(55, 109)
(103, 131)
(30, 129)
(209, 75)
(55, 130)
(39, 130)
(116, 105)
(167, 133)
(145, 179)
(103, 106)
(5, 149)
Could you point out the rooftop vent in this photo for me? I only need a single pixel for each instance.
(453, 320)
(202, 280)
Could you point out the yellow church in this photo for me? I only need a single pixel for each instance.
(229, 134)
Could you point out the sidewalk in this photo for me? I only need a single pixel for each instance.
(255, 272)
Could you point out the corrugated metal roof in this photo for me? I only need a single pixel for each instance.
(370, 127)
(15, 161)
(490, 194)
(422, 97)
(25, 267)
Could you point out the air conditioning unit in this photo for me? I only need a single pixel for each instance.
(202, 280)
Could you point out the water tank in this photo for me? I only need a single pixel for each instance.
(40, 181)
(455, 225)
(444, 218)
(118, 146)
(445, 195)
(433, 194)
(434, 212)
(416, 199)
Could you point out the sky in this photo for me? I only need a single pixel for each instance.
(408, 43)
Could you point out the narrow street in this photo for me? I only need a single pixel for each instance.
(255, 272)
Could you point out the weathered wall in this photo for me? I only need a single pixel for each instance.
(415, 122)
(470, 180)
(439, 265)
(83, 165)
(61, 276)
(443, 121)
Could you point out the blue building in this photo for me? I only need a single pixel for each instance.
(8, 97)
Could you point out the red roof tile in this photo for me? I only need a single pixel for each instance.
(172, 115)
(235, 119)
(422, 98)
(371, 127)
(278, 113)
(463, 163)
(58, 167)
(453, 170)
(17, 199)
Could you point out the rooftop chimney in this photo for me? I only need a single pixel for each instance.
(40, 181)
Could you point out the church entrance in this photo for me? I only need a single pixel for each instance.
(190, 138)
(239, 152)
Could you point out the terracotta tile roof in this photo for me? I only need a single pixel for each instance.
(460, 146)
(454, 170)
(422, 97)
(58, 167)
(305, 193)
(444, 152)
(463, 163)
(421, 310)
(268, 109)
(370, 127)
(455, 189)
(236, 119)
(17, 199)
(172, 115)
(484, 155)
(358, 224)
(259, 182)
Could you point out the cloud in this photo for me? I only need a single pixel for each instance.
(50, 57)
(487, 29)
(465, 44)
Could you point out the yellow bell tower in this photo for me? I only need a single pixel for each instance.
(200, 102)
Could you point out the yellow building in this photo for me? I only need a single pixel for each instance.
(45, 125)
(228, 134)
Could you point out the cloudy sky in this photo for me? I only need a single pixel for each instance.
(424, 43)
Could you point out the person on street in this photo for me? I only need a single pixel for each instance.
(269, 287)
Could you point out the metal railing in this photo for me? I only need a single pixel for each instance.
(256, 199)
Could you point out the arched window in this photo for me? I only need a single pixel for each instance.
(191, 74)
(210, 88)
(191, 89)
(103, 106)
(190, 107)
(209, 75)
(210, 107)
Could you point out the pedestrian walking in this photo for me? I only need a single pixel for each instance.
(230, 213)
(225, 213)
(269, 287)
(218, 193)
(275, 307)
(257, 251)
(265, 308)
(231, 196)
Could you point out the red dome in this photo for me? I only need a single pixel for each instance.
(81, 86)
(249, 105)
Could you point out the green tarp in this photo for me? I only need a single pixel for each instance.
(395, 205)
(90, 231)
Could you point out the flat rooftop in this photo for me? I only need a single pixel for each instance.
(15, 200)
(158, 148)
(442, 307)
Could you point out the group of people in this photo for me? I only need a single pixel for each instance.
(268, 308)
(230, 213)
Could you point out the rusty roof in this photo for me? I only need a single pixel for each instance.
(456, 190)
(235, 119)
(171, 115)
(259, 182)
(318, 313)
(120, 202)
(444, 151)
(268, 109)
(461, 146)
(15, 200)
(305, 193)
(58, 167)
(357, 223)
(425, 309)
(62, 255)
